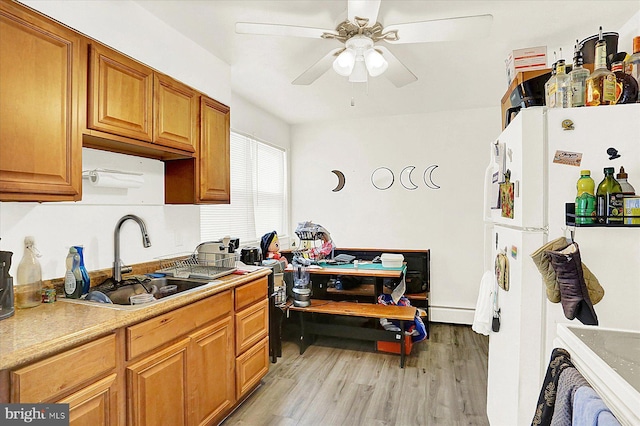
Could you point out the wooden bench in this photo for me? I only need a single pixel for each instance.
(353, 309)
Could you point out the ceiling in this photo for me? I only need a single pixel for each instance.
(451, 75)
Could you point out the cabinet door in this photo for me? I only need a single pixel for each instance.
(213, 158)
(95, 405)
(157, 388)
(176, 114)
(211, 370)
(251, 367)
(252, 324)
(120, 95)
(40, 83)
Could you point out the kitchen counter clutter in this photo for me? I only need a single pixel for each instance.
(610, 361)
(150, 364)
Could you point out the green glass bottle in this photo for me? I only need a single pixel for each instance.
(585, 198)
(609, 199)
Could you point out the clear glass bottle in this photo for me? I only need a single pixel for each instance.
(6, 286)
(578, 77)
(73, 276)
(563, 86)
(550, 88)
(633, 63)
(585, 198)
(626, 86)
(28, 288)
(609, 198)
(627, 189)
(601, 84)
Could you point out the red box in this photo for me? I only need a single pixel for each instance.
(394, 348)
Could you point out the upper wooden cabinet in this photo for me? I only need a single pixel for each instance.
(176, 114)
(120, 95)
(206, 178)
(128, 99)
(41, 82)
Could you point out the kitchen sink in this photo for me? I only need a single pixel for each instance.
(108, 295)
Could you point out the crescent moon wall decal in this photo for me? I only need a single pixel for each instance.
(382, 178)
(428, 178)
(405, 178)
(341, 180)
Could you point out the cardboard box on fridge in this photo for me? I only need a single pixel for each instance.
(528, 59)
(632, 208)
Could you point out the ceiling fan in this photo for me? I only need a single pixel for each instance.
(362, 53)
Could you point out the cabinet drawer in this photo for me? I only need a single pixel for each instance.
(164, 328)
(251, 367)
(252, 325)
(250, 293)
(47, 379)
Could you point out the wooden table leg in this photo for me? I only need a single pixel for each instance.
(302, 334)
(402, 347)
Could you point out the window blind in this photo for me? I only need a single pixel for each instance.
(258, 194)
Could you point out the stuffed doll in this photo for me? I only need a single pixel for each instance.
(325, 251)
(271, 248)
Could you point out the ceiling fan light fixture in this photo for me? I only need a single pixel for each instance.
(359, 74)
(375, 62)
(345, 62)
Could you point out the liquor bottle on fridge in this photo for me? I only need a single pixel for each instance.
(578, 77)
(563, 86)
(609, 198)
(585, 198)
(626, 86)
(550, 88)
(28, 289)
(601, 85)
(633, 63)
(627, 189)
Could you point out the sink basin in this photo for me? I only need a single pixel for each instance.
(163, 289)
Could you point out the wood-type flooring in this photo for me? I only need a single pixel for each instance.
(345, 382)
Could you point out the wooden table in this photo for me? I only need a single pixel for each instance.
(322, 307)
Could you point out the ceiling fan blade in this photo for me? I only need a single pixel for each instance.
(363, 9)
(448, 29)
(316, 70)
(397, 72)
(280, 30)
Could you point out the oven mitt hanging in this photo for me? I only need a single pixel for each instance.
(506, 196)
(502, 271)
(543, 263)
(574, 295)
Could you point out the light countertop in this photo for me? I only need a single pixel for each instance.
(50, 328)
(610, 361)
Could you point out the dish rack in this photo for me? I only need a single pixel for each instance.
(198, 265)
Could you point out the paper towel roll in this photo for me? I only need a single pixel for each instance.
(102, 179)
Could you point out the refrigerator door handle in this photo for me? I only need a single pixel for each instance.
(488, 173)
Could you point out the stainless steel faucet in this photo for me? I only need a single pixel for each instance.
(118, 268)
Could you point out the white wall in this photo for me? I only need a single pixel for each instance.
(448, 221)
(125, 26)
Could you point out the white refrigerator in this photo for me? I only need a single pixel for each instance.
(541, 186)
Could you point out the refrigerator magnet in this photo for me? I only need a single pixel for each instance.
(568, 158)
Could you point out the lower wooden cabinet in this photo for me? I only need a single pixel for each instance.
(157, 387)
(211, 373)
(85, 377)
(94, 405)
(251, 367)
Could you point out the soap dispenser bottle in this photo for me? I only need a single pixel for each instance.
(73, 278)
(28, 289)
